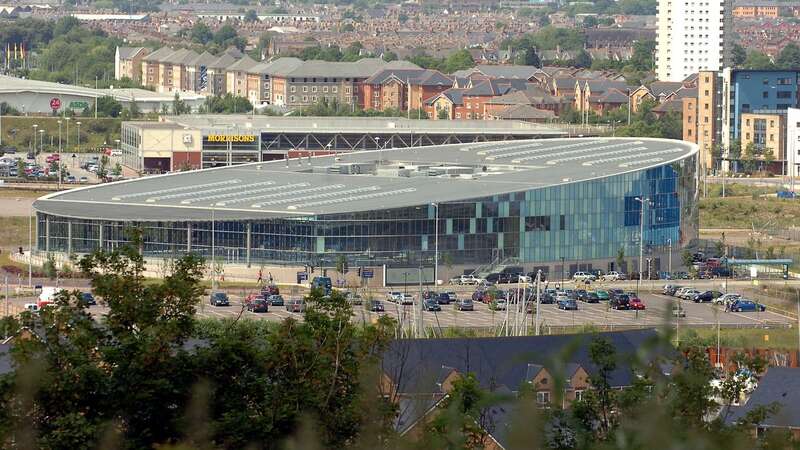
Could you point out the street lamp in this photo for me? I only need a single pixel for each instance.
(67, 119)
(41, 140)
(59, 136)
(436, 244)
(33, 139)
(78, 123)
(669, 257)
(641, 240)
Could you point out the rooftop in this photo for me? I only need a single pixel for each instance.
(364, 180)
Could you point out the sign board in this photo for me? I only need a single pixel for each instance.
(231, 138)
(302, 276)
(78, 105)
(55, 103)
(367, 273)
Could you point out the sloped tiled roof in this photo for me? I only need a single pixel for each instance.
(780, 385)
(129, 52)
(658, 88)
(496, 86)
(455, 95)
(159, 55)
(525, 112)
(203, 59)
(223, 62)
(243, 65)
(529, 96)
(610, 96)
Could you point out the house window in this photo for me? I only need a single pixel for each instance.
(293, 89)
(458, 115)
(305, 88)
(784, 94)
(314, 98)
(579, 395)
(334, 89)
(543, 397)
(325, 89)
(346, 90)
(765, 94)
(305, 98)
(291, 99)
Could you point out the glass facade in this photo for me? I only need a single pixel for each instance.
(589, 220)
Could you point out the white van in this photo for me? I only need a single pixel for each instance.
(48, 294)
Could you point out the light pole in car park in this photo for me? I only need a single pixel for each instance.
(641, 240)
(59, 136)
(78, 123)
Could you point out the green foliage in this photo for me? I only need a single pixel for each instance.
(757, 60)
(201, 33)
(179, 106)
(107, 106)
(789, 57)
(228, 104)
(251, 16)
(49, 267)
(739, 55)
(589, 22)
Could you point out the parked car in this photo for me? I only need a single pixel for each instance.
(707, 296)
(219, 299)
(583, 276)
(295, 305)
(547, 297)
(581, 294)
(431, 305)
(669, 289)
(275, 300)
(500, 304)
(71, 179)
(614, 276)
(465, 304)
(406, 299)
(689, 294)
(453, 296)
(83, 180)
(635, 303)
(394, 297)
(613, 293)
(470, 280)
(443, 298)
(592, 297)
(568, 304)
(726, 299)
(786, 194)
(620, 301)
(426, 294)
(376, 306)
(602, 295)
(88, 299)
(742, 305)
(258, 305)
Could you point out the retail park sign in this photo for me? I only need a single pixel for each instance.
(78, 105)
(231, 138)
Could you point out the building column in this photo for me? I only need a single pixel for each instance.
(188, 237)
(47, 234)
(69, 238)
(249, 242)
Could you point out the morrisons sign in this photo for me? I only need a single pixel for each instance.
(231, 138)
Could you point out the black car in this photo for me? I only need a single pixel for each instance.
(219, 299)
(621, 301)
(581, 294)
(707, 296)
(376, 306)
(88, 299)
(258, 305)
(431, 305)
(546, 298)
(613, 293)
(592, 297)
(443, 298)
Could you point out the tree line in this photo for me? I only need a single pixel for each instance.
(150, 374)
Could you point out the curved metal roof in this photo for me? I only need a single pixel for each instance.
(364, 180)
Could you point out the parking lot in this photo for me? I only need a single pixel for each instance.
(657, 313)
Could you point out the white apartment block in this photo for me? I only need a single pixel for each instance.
(793, 142)
(692, 35)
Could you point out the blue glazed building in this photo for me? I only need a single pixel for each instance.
(535, 203)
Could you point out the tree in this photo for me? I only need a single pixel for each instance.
(65, 25)
(620, 261)
(341, 264)
(589, 22)
(530, 58)
(582, 59)
(251, 16)
(107, 106)
(443, 114)
(459, 60)
(691, 397)
(201, 33)
(642, 58)
(749, 158)
(789, 57)
(228, 104)
(757, 61)
(739, 55)
(603, 356)
(389, 56)
(179, 106)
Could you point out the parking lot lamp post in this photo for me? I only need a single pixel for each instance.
(59, 136)
(641, 240)
(78, 123)
(41, 140)
(561, 283)
(539, 299)
(436, 243)
(33, 139)
(669, 257)
(405, 284)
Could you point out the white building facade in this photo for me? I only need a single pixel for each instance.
(793, 142)
(692, 35)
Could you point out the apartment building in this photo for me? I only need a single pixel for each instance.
(403, 89)
(767, 133)
(236, 76)
(128, 63)
(601, 96)
(197, 71)
(314, 81)
(793, 142)
(702, 120)
(692, 36)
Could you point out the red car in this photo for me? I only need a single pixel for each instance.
(635, 302)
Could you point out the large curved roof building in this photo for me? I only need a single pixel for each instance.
(537, 203)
